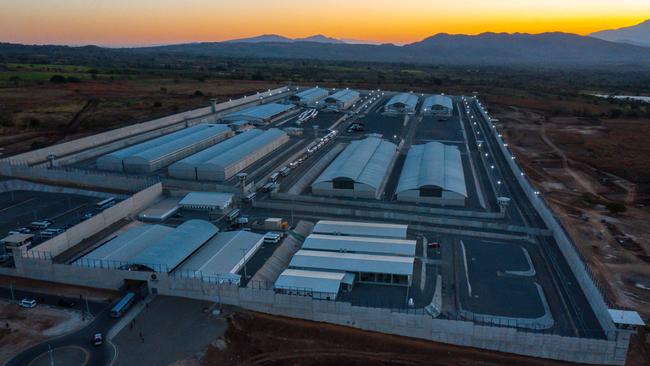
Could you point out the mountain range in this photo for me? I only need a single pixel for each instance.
(543, 49)
(637, 35)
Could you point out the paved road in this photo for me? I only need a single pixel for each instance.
(98, 355)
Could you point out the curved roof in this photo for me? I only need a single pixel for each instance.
(365, 161)
(310, 94)
(179, 244)
(239, 152)
(408, 99)
(433, 164)
(202, 156)
(259, 112)
(438, 100)
(150, 144)
(343, 96)
(163, 148)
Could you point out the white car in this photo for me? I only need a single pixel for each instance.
(27, 303)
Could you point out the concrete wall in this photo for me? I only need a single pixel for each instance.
(415, 323)
(85, 229)
(388, 206)
(571, 254)
(360, 190)
(61, 150)
(448, 198)
(78, 177)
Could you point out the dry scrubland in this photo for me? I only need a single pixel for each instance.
(595, 172)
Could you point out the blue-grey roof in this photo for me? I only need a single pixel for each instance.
(179, 244)
(237, 153)
(355, 228)
(433, 164)
(164, 148)
(360, 244)
(317, 281)
(132, 150)
(129, 244)
(365, 161)
(202, 156)
(260, 112)
(310, 95)
(343, 95)
(352, 262)
(437, 100)
(410, 100)
(224, 253)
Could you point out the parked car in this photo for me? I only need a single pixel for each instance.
(27, 303)
(98, 339)
(272, 237)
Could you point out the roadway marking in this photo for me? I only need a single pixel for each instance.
(469, 286)
(19, 203)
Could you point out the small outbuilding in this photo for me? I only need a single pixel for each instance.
(207, 201)
(342, 100)
(309, 97)
(317, 284)
(404, 103)
(259, 115)
(440, 106)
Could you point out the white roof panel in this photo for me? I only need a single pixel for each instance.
(309, 95)
(224, 253)
(359, 244)
(248, 147)
(352, 262)
(437, 100)
(343, 95)
(354, 228)
(259, 112)
(215, 199)
(433, 164)
(126, 246)
(410, 100)
(218, 149)
(626, 317)
(364, 161)
(316, 281)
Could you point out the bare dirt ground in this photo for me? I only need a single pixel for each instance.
(21, 328)
(40, 115)
(259, 339)
(52, 288)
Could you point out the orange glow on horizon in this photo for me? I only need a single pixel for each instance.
(143, 22)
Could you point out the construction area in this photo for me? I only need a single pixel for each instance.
(397, 213)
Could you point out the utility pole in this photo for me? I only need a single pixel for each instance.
(49, 350)
(87, 306)
(11, 288)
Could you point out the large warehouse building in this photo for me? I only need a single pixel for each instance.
(438, 105)
(360, 244)
(433, 173)
(155, 154)
(404, 103)
(342, 100)
(354, 228)
(309, 97)
(223, 256)
(368, 268)
(262, 114)
(231, 162)
(360, 171)
(186, 168)
(157, 247)
(226, 159)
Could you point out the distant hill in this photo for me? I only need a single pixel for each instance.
(637, 35)
(486, 48)
(275, 38)
(545, 49)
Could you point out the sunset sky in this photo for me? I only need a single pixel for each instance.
(144, 22)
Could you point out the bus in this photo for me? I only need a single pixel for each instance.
(123, 305)
(104, 204)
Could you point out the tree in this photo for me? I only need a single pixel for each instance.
(58, 79)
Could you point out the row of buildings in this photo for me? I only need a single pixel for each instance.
(321, 98)
(432, 173)
(433, 105)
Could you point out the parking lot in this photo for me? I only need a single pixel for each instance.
(19, 209)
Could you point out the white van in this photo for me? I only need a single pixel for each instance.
(272, 238)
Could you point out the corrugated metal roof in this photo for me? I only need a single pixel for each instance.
(408, 99)
(625, 317)
(433, 164)
(224, 253)
(178, 245)
(237, 153)
(129, 244)
(316, 281)
(352, 262)
(259, 112)
(131, 150)
(217, 149)
(201, 132)
(360, 244)
(365, 161)
(310, 95)
(343, 95)
(372, 229)
(214, 199)
(439, 100)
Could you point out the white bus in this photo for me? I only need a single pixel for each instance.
(104, 204)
